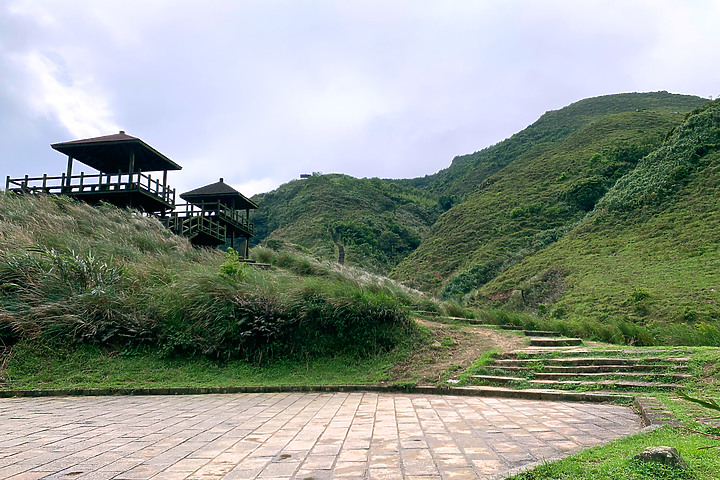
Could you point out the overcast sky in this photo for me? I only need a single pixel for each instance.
(259, 92)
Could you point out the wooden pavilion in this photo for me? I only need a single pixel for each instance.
(123, 163)
(215, 215)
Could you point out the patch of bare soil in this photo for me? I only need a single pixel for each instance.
(452, 349)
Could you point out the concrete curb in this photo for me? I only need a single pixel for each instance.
(530, 394)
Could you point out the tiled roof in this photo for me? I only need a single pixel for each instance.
(111, 154)
(219, 191)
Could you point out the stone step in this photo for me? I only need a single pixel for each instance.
(546, 394)
(554, 342)
(539, 352)
(610, 368)
(510, 327)
(580, 361)
(614, 383)
(510, 368)
(540, 333)
(657, 376)
(624, 384)
(497, 379)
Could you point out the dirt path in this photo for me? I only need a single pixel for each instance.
(454, 347)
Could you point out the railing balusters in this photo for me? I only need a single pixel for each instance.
(95, 183)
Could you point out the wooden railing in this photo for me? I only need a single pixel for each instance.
(217, 210)
(192, 226)
(88, 184)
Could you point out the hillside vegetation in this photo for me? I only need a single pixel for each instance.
(467, 172)
(648, 255)
(372, 223)
(71, 274)
(551, 175)
(377, 224)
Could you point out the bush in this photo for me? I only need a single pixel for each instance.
(667, 169)
(585, 192)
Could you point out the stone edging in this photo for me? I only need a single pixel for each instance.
(654, 413)
(530, 394)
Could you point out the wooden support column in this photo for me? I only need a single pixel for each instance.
(165, 194)
(131, 167)
(68, 177)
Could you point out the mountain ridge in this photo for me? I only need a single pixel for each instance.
(452, 231)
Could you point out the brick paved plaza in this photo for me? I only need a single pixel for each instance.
(293, 435)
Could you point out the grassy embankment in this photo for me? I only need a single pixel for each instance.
(104, 297)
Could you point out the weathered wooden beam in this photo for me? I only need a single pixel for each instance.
(68, 177)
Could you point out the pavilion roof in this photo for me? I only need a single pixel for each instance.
(219, 192)
(111, 154)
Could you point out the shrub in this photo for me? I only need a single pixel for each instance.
(584, 193)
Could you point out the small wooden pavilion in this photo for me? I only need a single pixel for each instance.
(123, 163)
(215, 215)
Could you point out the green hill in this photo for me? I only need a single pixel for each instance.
(376, 222)
(467, 172)
(532, 188)
(647, 254)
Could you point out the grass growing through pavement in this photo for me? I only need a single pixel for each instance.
(615, 460)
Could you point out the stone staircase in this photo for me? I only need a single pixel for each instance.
(555, 363)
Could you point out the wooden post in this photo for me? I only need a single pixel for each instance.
(247, 247)
(25, 184)
(68, 178)
(82, 180)
(7, 183)
(44, 182)
(132, 161)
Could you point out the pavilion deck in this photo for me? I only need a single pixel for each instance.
(136, 190)
(207, 223)
(235, 221)
(199, 229)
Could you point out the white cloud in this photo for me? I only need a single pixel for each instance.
(260, 90)
(76, 103)
(253, 187)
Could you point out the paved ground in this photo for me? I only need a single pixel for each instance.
(293, 435)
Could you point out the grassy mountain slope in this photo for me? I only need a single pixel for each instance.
(649, 253)
(543, 190)
(376, 222)
(468, 172)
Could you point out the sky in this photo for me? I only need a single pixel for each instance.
(261, 91)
